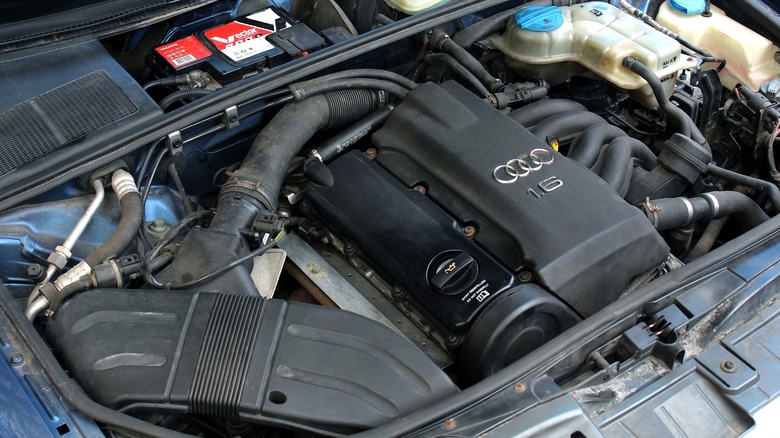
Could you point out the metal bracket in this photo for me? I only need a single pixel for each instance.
(230, 117)
(174, 143)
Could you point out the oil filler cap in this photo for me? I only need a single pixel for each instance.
(452, 272)
(688, 7)
(539, 18)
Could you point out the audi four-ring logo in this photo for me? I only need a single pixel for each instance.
(523, 166)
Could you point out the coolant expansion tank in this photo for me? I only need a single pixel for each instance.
(556, 43)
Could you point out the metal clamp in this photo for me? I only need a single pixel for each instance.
(230, 117)
(174, 143)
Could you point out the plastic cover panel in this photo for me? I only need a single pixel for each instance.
(583, 241)
(239, 356)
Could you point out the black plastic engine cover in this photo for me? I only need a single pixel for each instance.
(411, 241)
(583, 241)
(242, 357)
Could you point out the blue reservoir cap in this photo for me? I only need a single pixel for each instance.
(539, 18)
(688, 7)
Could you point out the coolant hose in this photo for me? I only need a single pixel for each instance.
(470, 35)
(566, 124)
(619, 159)
(682, 123)
(587, 147)
(767, 187)
(671, 213)
(441, 41)
(533, 113)
(256, 185)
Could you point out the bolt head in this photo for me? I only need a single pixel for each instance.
(448, 425)
(157, 226)
(17, 359)
(728, 366)
(520, 387)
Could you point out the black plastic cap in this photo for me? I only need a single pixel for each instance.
(520, 321)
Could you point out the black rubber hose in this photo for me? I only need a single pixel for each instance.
(470, 35)
(563, 125)
(383, 19)
(619, 160)
(671, 213)
(533, 113)
(129, 224)
(364, 73)
(707, 239)
(57, 297)
(682, 123)
(441, 41)
(457, 68)
(303, 91)
(176, 96)
(348, 137)
(587, 147)
(255, 186)
(767, 187)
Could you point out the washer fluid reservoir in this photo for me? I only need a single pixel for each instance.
(592, 39)
(751, 57)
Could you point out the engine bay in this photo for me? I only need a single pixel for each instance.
(332, 252)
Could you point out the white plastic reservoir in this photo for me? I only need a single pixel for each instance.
(556, 43)
(413, 6)
(751, 57)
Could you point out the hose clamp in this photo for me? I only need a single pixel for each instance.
(254, 189)
(689, 206)
(713, 202)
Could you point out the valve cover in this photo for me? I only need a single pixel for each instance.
(542, 212)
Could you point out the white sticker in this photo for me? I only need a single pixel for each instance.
(247, 49)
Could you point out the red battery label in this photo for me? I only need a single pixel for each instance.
(184, 51)
(239, 41)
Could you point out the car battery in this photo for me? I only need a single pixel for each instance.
(239, 48)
